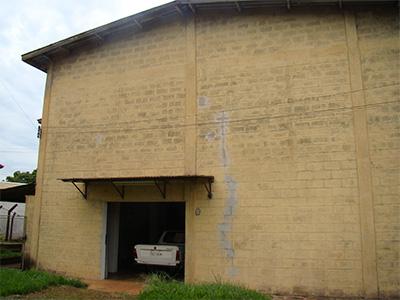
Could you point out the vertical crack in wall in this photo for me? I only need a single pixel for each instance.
(225, 228)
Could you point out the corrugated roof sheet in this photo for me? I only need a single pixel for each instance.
(6, 185)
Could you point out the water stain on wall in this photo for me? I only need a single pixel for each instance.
(225, 227)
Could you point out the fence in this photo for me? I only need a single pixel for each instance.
(16, 227)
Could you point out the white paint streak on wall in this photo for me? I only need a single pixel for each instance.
(225, 227)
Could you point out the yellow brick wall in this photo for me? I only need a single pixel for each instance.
(378, 33)
(287, 208)
(29, 215)
(116, 108)
(275, 120)
(287, 181)
(113, 112)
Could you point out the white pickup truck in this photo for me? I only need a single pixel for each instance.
(169, 251)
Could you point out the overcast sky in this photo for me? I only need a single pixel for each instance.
(26, 25)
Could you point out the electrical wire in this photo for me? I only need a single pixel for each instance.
(262, 117)
(169, 126)
(16, 102)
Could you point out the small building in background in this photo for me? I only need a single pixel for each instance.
(12, 196)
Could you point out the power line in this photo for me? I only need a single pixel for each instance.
(177, 126)
(19, 106)
(106, 125)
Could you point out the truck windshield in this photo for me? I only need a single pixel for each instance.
(174, 237)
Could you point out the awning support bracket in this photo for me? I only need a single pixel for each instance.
(84, 192)
(120, 192)
(162, 189)
(208, 186)
(192, 8)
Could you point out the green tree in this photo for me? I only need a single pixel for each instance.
(25, 177)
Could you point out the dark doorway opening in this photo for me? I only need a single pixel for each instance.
(130, 224)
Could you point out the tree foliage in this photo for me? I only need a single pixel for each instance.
(25, 177)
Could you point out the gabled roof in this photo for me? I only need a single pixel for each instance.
(41, 58)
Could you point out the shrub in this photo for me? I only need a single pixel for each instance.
(161, 288)
(5, 253)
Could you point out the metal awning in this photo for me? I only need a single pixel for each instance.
(159, 181)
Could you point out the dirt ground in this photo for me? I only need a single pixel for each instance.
(71, 293)
(125, 288)
(131, 286)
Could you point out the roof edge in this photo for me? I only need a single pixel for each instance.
(38, 57)
(41, 57)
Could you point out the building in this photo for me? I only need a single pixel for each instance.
(12, 208)
(269, 130)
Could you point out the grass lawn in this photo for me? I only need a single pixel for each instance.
(160, 288)
(19, 282)
(71, 293)
(42, 285)
(5, 253)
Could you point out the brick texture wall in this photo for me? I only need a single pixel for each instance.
(276, 90)
(379, 47)
(113, 112)
(277, 126)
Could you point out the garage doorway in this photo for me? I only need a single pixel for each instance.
(133, 223)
